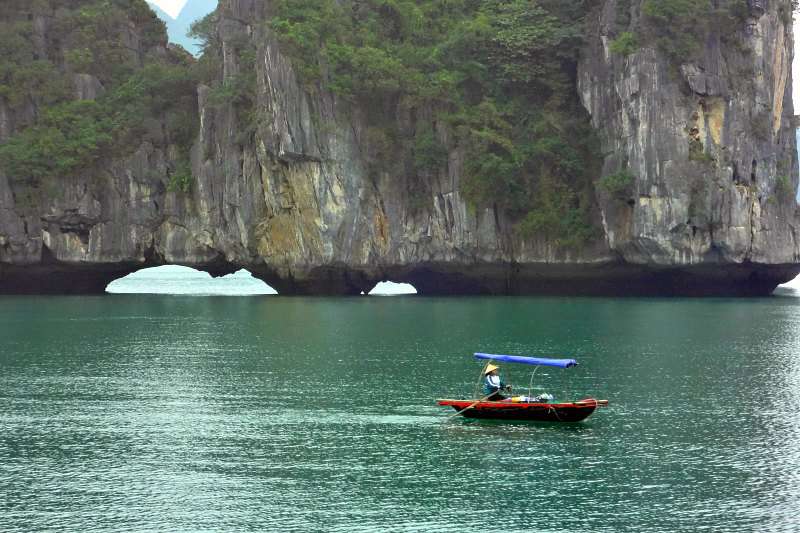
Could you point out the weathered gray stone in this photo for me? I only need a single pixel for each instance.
(708, 207)
(87, 87)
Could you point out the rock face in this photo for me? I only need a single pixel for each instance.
(711, 147)
(708, 146)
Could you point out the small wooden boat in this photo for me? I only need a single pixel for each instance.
(540, 412)
(525, 407)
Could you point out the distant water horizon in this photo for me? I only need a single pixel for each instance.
(790, 286)
(181, 280)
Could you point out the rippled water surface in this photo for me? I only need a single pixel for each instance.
(167, 413)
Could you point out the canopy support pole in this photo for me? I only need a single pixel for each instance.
(530, 384)
(480, 377)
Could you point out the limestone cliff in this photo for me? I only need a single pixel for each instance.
(288, 193)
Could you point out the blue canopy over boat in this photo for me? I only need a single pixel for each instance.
(561, 363)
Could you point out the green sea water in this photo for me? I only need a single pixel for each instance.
(181, 413)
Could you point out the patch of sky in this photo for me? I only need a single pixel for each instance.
(179, 15)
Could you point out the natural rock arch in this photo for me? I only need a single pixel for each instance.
(391, 288)
(188, 280)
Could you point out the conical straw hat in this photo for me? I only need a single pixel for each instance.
(489, 368)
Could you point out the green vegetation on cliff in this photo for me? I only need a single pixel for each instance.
(492, 79)
(784, 189)
(625, 44)
(143, 91)
(237, 89)
(678, 28)
(618, 184)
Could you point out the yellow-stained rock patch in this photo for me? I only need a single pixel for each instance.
(292, 234)
(715, 114)
(780, 75)
(381, 231)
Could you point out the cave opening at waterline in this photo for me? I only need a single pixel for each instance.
(174, 279)
(391, 288)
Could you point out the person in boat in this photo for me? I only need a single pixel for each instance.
(493, 384)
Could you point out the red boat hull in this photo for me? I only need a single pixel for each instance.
(540, 412)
